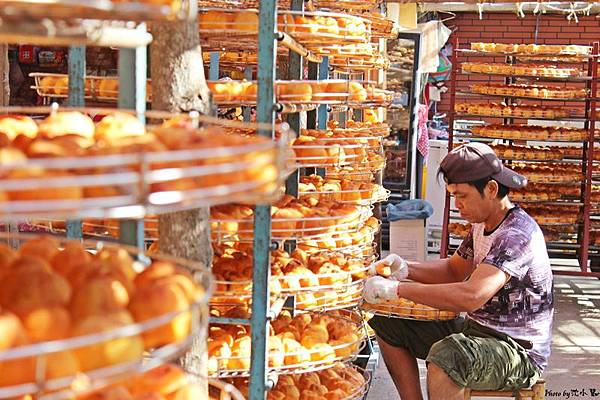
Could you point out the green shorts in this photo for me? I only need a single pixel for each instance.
(472, 355)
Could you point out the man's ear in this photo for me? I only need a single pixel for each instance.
(491, 189)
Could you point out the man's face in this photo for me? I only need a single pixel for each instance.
(472, 206)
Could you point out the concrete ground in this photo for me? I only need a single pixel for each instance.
(574, 368)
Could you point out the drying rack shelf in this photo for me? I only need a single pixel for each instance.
(63, 33)
(96, 9)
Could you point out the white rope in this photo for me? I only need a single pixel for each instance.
(573, 10)
(480, 9)
(520, 11)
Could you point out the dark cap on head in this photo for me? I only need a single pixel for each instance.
(473, 161)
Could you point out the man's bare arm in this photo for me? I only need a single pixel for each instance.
(448, 270)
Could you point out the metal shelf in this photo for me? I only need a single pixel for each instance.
(140, 11)
(468, 52)
(475, 94)
(493, 138)
(581, 79)
(576, 118)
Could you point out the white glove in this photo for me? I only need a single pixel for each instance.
(378, 289)
(398, 267)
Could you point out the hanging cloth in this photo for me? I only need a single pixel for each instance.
(422, 131)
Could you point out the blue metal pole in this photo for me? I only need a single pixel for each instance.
(76, 99)
(359, 113)
(322, 111)
(76, 76)
(247, 111)
(294, 72)
(213, 67)
(132, 95)
(321, 123)
(311, 116)
(132, 79)
(265, 114)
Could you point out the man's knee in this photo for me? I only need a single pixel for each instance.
(440, 386)
(437, 377)
(449, 358)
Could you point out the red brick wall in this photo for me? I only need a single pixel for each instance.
(509, 28)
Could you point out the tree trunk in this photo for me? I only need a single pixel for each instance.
(4, 76)
(178, 84)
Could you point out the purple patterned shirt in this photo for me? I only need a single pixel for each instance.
(524, 307)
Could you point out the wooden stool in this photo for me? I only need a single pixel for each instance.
(536, 392)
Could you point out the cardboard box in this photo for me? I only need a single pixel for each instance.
(407, 239)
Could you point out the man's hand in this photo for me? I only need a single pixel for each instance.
(393, 266)
(378, 289)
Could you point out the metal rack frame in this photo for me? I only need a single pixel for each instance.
(266, 107)
(582, 248)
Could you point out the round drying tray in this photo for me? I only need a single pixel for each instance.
(37, 356)
(231, 229)
(364, 197)
(61, 32)
(342, 352)
(334, 153)
(334, 92)
(230, 29)
(97, 88)
(317, 292)
(408, 310)
(150, 177)
(137, 10)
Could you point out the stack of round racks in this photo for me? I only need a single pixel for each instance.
(330, 222)
(92, 310)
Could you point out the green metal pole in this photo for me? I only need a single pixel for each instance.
(265, 113)
(247, 111)
(132, 96)
(294, 72)
(76, 99)
(322, 111)
(213, 67)
(311, 116)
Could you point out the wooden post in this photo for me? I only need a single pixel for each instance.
(178, 84)
(4, 76)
